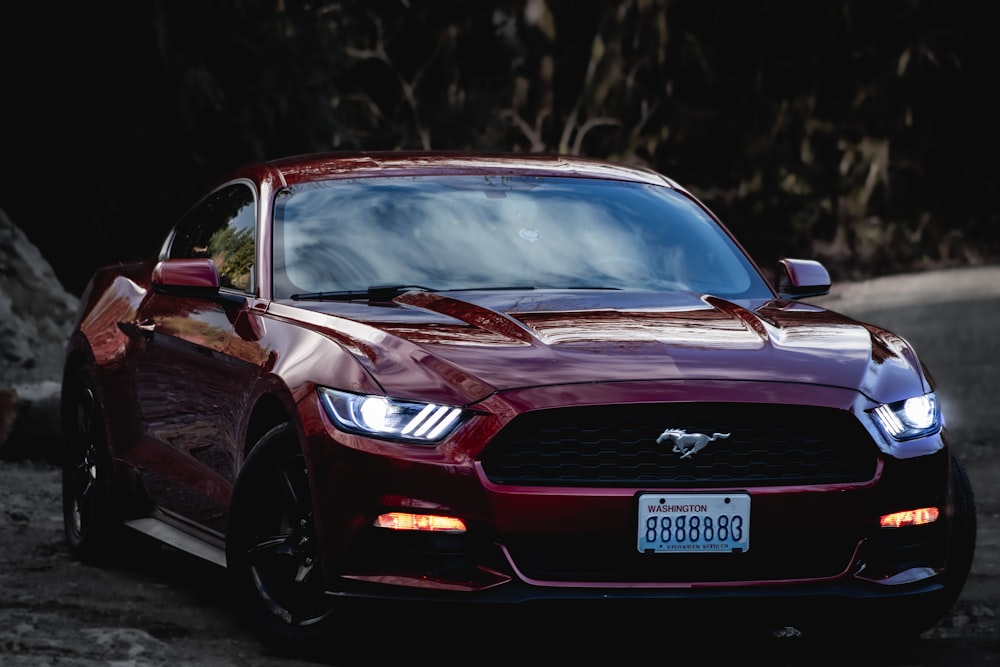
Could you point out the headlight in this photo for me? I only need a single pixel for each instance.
(384, 417)
(911, 418)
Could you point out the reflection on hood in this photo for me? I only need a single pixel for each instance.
(581, 336)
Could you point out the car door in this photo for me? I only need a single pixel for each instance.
(186, 387)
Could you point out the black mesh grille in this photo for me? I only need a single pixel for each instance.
(616, 446)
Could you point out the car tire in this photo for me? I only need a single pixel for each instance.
(271, 548)
(963, 532)
(896, 624)
(91, 519)
(916, 619)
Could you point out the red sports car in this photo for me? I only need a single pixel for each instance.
(504, 379)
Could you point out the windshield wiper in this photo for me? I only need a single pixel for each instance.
(379, 293)
(374, 293)
(498, 288)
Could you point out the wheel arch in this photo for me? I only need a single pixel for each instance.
(75, 360)
(268, 411)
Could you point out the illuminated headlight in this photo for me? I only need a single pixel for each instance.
(911, 418)
(384, 417)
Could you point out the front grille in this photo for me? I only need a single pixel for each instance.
(616, 446)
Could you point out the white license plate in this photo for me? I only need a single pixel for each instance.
(696, 522)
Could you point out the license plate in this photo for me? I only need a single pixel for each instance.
(699, 523)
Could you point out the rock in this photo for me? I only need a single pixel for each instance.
(36, 316)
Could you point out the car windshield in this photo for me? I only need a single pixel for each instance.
(491, 232)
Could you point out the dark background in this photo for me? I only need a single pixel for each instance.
(861, 133)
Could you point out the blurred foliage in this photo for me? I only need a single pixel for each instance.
(233, 252)
(859, 133)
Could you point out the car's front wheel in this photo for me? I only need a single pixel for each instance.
(962, 547)
(271, 547)
(963, 534)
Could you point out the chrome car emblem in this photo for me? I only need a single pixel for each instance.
(686, 443)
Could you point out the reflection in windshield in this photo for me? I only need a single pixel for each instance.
(463, 232)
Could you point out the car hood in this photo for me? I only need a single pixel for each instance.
(476, 343)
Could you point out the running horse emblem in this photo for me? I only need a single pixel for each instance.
(686, 443)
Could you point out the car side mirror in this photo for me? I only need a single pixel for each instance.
(800, 278)
(186, 277)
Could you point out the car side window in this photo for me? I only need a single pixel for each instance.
(222, 228)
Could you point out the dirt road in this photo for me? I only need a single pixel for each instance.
(168, 609)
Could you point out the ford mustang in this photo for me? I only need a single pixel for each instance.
(504, 380)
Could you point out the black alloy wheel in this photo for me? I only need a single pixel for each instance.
(271, 545)
(90, 516)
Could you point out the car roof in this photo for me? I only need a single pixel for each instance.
(325, 166)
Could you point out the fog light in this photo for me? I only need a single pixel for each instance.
(916, 517)
(425, 522)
